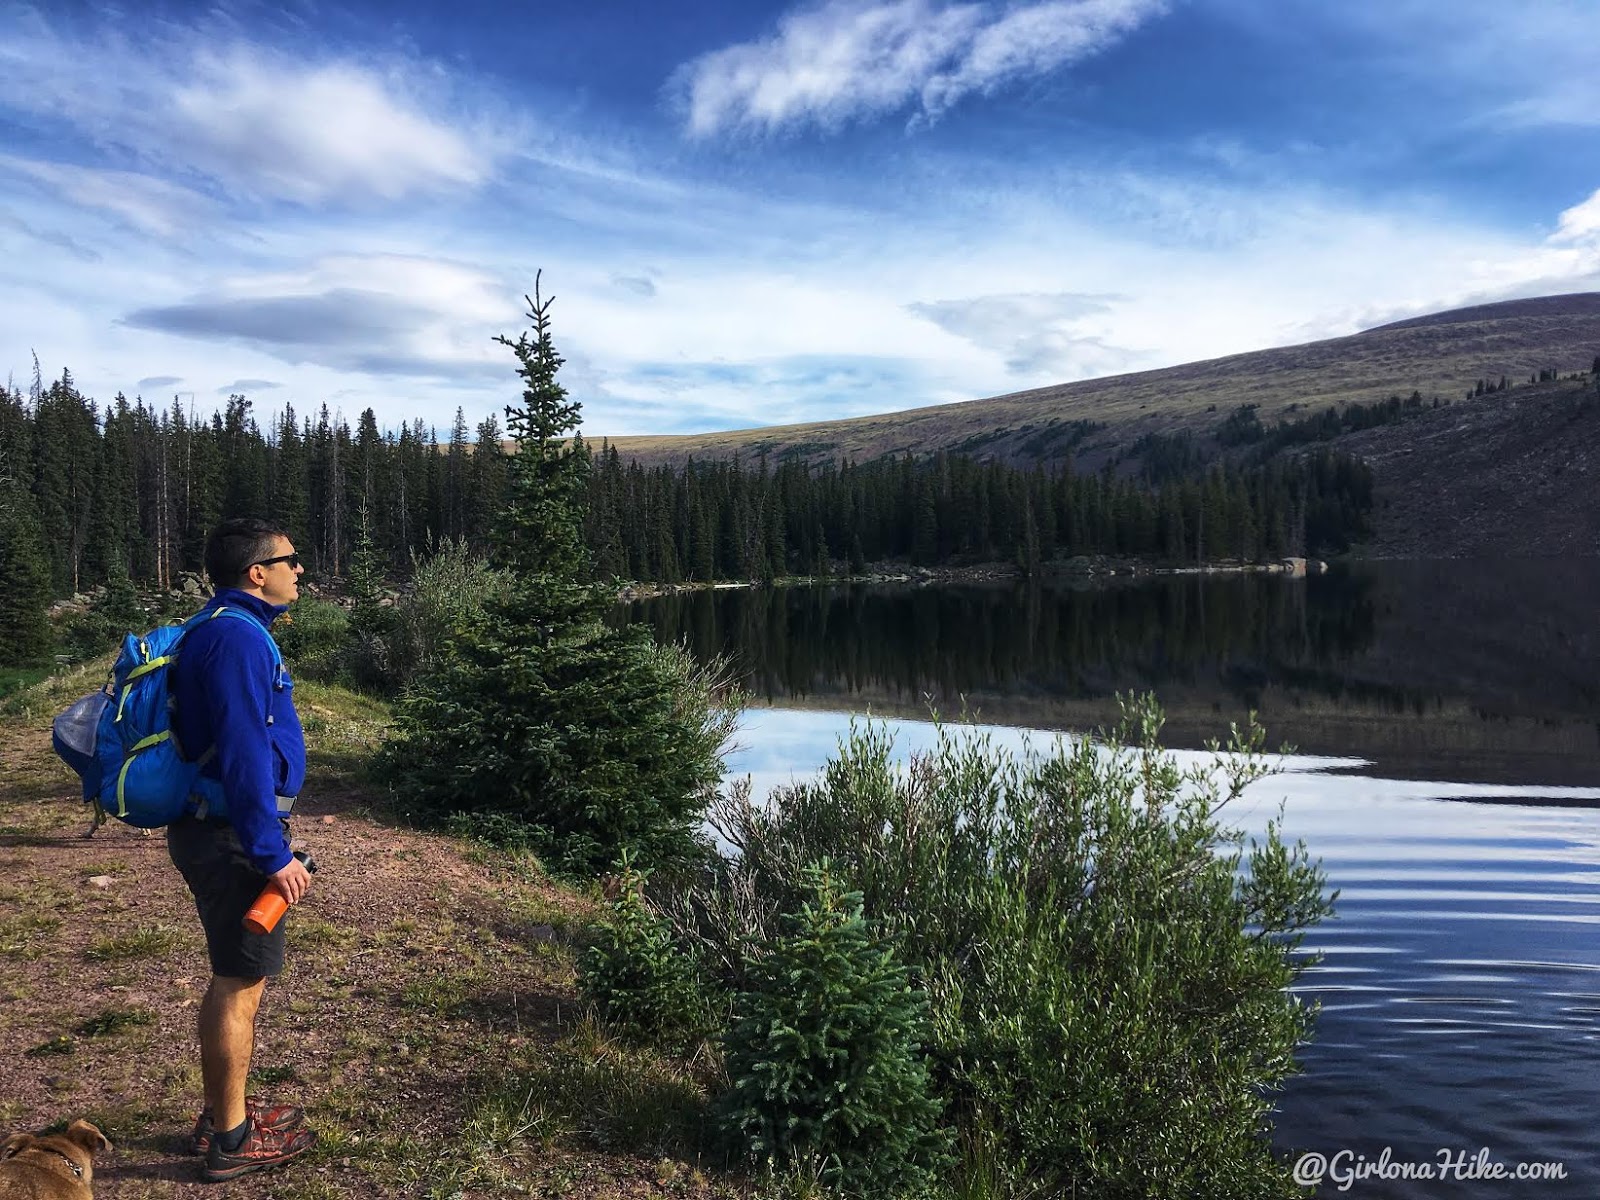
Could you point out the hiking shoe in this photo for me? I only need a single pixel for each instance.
(261, 1149)
(276, 1117)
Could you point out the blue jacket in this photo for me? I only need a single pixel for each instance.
(229, 693)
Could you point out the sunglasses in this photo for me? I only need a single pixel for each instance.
(292, 559)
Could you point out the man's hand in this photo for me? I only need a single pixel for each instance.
(293, 880)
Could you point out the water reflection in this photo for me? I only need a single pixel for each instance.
(908, 642)
(1488, 673)
(1455, 801)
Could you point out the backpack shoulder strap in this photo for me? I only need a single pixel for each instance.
(242, 615)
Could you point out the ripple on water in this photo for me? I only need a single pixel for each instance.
(1459, 1007)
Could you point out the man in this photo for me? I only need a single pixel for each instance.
(234, 711)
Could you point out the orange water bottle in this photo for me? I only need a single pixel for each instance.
(270, 905)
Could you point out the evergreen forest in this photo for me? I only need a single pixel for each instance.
(93, 494)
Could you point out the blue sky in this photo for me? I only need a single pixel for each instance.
(761, 213)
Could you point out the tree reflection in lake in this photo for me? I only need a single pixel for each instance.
(1480, 672)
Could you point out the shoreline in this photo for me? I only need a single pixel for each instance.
(1074, 570)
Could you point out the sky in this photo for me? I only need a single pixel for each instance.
(761, 213)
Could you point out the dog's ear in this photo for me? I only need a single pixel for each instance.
(14, 1143)
(87, 1136)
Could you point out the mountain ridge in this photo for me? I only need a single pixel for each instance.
(1474, 468)
(1438, 355)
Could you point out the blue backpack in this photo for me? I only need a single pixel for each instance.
(120, 741)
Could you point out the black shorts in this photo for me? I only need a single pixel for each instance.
(225, 884)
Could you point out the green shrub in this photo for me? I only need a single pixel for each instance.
(1107, 964)
(82, 633)
(121, 606)
(390, 645)
(368, 659)
(643, 985)
(451, 590)
(824, 1056)
(594, 743)
(312, 637)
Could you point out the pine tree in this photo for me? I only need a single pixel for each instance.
(581, 736)
(454, 524)
(204, 486)
(115, 512)
(24, 627)
(289, 502)
(16, 437)
(824, 1059)
(372, 625)
(366, 472)
(488, 484)
(244, 454)
(67, 466)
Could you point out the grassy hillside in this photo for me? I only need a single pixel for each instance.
(1442, 355)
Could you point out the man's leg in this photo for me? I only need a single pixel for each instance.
(227, 1038)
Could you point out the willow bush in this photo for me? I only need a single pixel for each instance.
(1105, 961)
(313, 638)
(451, 589)
(391, 644)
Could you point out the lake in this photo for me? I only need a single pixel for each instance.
(1445, 719)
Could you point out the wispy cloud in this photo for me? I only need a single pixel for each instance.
(147, 204)
(253, 120)
(1486, 64)
(159, 381)
(1033, 331)
(846, 61)
(49, 237)
(684, 396)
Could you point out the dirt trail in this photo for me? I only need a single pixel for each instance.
(420, 970)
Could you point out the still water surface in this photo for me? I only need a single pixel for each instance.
(1447, 720)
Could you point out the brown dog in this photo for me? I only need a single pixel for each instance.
(50, 1166)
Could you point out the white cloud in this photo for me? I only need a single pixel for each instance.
(253, 120)
(1580, 223)
(311, 132)
(1033, 40)
(843, 61)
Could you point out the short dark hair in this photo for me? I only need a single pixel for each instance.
(233, 547)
